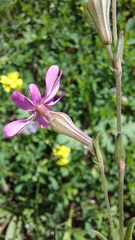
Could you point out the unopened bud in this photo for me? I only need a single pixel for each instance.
(119, 153)
(62, 123)
(98, 12)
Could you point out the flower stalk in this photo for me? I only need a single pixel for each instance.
(103, 178)
(119, 148)
(118, 74)
(121, 211)
(119, 157)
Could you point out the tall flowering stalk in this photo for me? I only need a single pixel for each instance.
(98, 12)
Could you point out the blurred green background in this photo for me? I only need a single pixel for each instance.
(39, 198)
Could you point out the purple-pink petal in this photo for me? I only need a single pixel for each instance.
(35, 94)
(13, 128)
(22, 102)
(41, 121)
(51, 77)
(54, 90)
(51, 102)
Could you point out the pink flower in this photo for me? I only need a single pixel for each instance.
(36, 102)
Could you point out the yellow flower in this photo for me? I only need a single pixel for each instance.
(63, 161)
(6, 88)
(62, 153)
(13, 75)
(11, 81)
(81, 9)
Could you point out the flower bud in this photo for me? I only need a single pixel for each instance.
(119, 153)
(62, 123)
(98, 12)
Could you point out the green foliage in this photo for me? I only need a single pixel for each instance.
(34, 189)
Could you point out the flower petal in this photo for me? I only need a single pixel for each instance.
(52, 103)
(54, 89)
(51, 76)
(35, 94)
(22, 102)
(13, 128)
(41, 121)
(52, 82)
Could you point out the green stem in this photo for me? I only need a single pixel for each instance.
(114, 21)
(107, 201)
(121, 163)
(129, 231)
(121, 212)
(103, 178)
(119, 157)
(118, 75)
(109, 50)
(98, 234)
(37, 209)
(119, 151)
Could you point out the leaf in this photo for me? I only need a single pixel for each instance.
(67, 235)
(129, 129)
(11, 230)
(19, 233)
(130, 24)
(78, 236)
(98, 234)
(129, 231)
(70, 142)
(131, 42)
(54, 183)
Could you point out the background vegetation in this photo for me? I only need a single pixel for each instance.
(39, 198)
